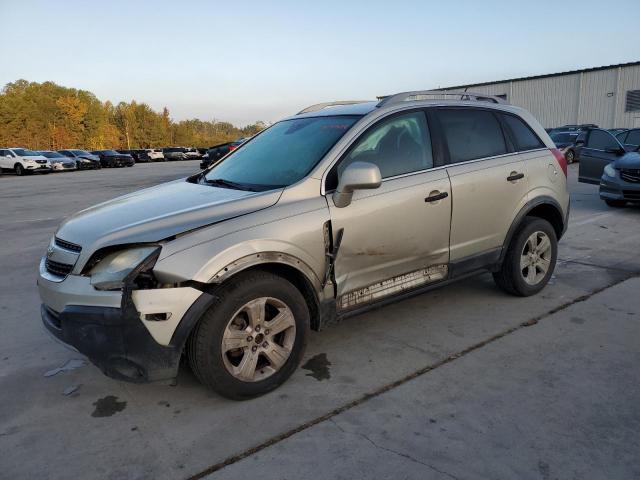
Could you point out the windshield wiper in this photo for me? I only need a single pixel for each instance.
(221, 182)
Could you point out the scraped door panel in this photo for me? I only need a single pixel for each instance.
(392, 235)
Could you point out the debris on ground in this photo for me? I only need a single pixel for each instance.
(70, 365)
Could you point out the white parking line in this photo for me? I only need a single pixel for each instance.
(584, 220)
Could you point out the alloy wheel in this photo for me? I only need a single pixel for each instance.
(535, 259)
(258, 339)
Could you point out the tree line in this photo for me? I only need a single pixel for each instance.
(47, 116)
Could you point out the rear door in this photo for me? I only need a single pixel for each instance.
(489, 182)
(600, 149)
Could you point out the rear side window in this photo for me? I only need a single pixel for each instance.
(523, 137)
(601, 140)
(397, 145)
(633, 138)
(471, 134)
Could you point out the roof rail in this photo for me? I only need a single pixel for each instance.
(407, 96)
(320, 106)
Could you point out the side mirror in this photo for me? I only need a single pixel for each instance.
(357, 176)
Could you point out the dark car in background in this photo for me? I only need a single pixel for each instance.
(566, 143)
(174, 153)
(111, 158)
(216, 152)
(583, 127)
(615, 167)
(139, 155)
(84, 160)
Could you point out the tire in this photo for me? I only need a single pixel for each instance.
(616, 203)
(212, 364)
(570, 156)
(19, 169)
(517, 280)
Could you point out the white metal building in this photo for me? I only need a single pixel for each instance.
(607, 96)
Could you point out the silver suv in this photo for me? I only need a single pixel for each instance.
(338, 209)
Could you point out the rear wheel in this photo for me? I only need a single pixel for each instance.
(570, 156)
(615, 203)
(252, 338)
(530, 258)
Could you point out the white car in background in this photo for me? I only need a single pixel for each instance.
(23, 161)
(156, 154)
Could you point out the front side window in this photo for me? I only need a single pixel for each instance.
(523, 136)
(471, 134)
(397, 145)
(602, 140)
(283, 154)
(633, 138)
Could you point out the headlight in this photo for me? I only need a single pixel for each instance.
(111, 272)
(609, 171)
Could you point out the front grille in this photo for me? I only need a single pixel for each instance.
(67, 245)
(633, 195)
(57, 268)
(630, 175)
(41, 161)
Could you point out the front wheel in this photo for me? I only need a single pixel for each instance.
(530, 258)
(252, 338)
(19, 169)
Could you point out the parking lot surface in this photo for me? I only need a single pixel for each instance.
(461, 382)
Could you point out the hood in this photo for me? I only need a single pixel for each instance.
(628, 160)
(89, 156)
(159, 212)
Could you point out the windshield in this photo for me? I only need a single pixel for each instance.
(23, 152)
(564, 137)
(80, 152)
(282, 154)
(109, 152)
(52, 155)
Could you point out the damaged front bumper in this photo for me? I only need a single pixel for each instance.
(137, 336)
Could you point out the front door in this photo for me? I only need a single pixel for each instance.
(600, 149)
(395, 237)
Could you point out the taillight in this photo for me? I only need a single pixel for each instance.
(561, 160)
(232, 147)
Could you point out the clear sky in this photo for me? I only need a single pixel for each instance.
(261, 60)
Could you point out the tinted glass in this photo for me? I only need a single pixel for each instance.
(471, 134)
(398, 145)
(564, 137)
(80, 152)
(52, 155)
(622, 137)
(523, 136)
(601, 140)
(23, 152)
(284, 153)
(633, 138)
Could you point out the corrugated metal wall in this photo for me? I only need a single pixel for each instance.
(584, 97)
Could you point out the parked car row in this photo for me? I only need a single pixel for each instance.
(216, 152)
(22, 161)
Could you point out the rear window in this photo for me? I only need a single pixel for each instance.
(471, 134)
(522, 135)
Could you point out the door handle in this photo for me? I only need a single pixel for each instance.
(435, 196)
(515, 176)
